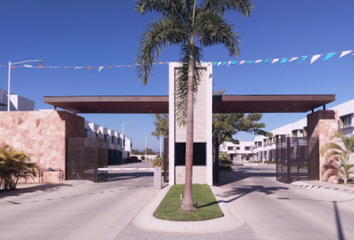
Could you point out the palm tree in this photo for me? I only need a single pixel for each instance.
(190, 24)
(342, 153)
(15, 165)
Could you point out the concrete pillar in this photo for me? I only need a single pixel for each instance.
(321, 126)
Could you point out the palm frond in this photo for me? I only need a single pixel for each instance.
(182, 79)
(159, 35)
(243, 6)
(212, 29)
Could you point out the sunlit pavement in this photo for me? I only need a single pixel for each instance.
(85, 210)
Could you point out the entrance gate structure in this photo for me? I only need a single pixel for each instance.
(320, 124)
(84, 158)
(293, 162)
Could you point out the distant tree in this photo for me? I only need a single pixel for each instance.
(227, 125)
(161, 125)
(334, 150)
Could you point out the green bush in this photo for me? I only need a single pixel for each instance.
(14, 165)
(157, 162)
(225, 161)
(142, 157)
(221, 167)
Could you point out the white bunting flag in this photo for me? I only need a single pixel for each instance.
(219, 63)
(26, 65)
(228, 64)
(100, 68)
(315, 57)
(242, 62)
(345, 53)
(293, 59)
(275, 60)
(77, 67)
(259, 60)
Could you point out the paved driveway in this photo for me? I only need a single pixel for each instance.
(75, 209)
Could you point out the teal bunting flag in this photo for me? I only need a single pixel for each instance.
(284, 60)
(224, 63)
(266, 61)
(303, 58)
(234, 62)
(251, 61)
(329, 55)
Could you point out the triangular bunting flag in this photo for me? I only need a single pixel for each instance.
(275, 60)
(219, 63)
(251, 61)
(259, 60)
(303, 58)
(100, 68)
(41, 66)
(329, 55)
(14, 67)
(28, 66)
(224, 63)
(242, 62)
(214, 64)
(228, 64)
(233, 63)
(266, 61)
(293, 59)
(110, 67)
(77, 67)
(315, 57)
(344, 53)
(283, 60)
(89, 68)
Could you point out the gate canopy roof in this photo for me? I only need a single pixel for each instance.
(221, 104)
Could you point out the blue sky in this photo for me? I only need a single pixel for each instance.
(105, 32)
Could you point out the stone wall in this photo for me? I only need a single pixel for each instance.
(322, 125)
(199, 174)
(42, 135)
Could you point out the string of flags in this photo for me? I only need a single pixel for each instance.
(300, 59)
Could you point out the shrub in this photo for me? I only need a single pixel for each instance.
(142, 157)
(157, 162)
(221, 167)
(14, 165)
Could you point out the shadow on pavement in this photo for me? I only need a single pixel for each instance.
(235, 175)
(237, 193)
(48, 187)
(126, 176)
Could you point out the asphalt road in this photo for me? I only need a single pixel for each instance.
(75, 209)
(85, 210)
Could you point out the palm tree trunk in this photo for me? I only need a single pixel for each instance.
(187, 202)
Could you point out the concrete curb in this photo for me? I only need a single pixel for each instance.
(332, 190)
(146, 221)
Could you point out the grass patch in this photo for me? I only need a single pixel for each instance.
(207, 207)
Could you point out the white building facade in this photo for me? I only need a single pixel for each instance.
(264, 147)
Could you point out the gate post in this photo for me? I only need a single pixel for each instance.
(157, 177)
(288, 155)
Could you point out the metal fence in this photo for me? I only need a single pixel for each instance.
(293, 161)
(84, 157)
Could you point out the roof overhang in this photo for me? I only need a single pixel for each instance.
(221, 104)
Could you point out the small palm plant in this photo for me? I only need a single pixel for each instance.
(15, 165)
(342, 153)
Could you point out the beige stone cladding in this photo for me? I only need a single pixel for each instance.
(42, 135)
(200, 116)
(199, 174)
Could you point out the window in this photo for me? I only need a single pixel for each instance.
(237, 148)
(230, 148)
(112, 139)
(86, 133)
(105, 137)
(347, 121)
(119, 141)
(247, 148)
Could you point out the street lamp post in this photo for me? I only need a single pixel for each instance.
(123, 126)
(9, 79)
